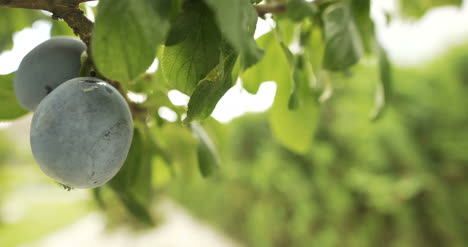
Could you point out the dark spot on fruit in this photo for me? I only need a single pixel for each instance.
(90, 81)
(107, 133)
(48, 89)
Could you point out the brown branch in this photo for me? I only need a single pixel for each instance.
(273, 8)
(76, 19)
(68, 10)
(23, 4)
(40, 4)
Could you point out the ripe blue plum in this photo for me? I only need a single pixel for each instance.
(46, 67)
(81, 133)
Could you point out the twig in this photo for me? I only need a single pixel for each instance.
(48, 5)
(68, 10)
(273, 8)
(76, 19)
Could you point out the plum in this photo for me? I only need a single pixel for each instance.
(81, 133)
(46, 67)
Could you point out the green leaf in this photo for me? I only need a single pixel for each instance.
(9, 107)
(286, 30)
(384, 87)
(343, 44)
(265, 70)
(210, 90)
(417, 8)
(293, 129)
(297, 10)
(177, 7)
(61, 28)
(252, 79)
(208, 158)
(133, 182)
(303, 77)
(294, 100)
(314, 47)
(13, 20)
(127, 34)
(365, 25)
(180, 146)
(191, 50)
(237, 21)
(289, 55)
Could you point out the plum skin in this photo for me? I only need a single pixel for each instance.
(81, 133)
(46, 67)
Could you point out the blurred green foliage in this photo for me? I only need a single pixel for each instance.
(399, 181)
(5, 149)
(417, 8)
(12, 21)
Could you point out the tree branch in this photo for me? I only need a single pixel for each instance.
(68, 10)
(273, 8)
(76, 19)
(40, 4)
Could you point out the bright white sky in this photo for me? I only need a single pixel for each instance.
(408, 43)
(411, 42)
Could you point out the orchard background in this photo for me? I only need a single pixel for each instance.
(355, 150)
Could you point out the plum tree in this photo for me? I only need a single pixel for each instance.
(81, 133)
(200, 48)
(45, 67)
